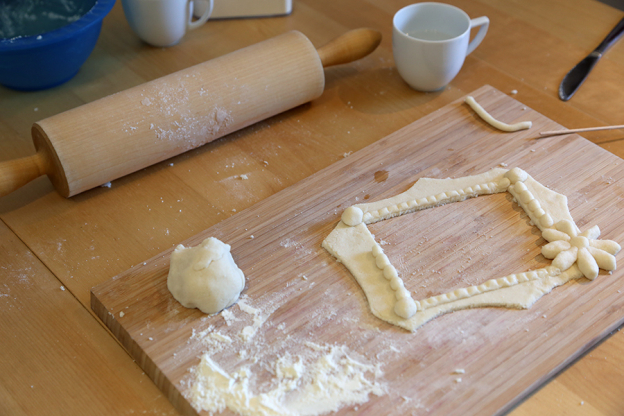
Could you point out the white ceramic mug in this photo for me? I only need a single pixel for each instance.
(163, 22)
(430, 42)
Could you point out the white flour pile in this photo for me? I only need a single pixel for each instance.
(263, 379)
(325, 384)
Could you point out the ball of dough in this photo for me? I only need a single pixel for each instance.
(205, 277)
(352, 216)
(516, 175)
(405, 308)
(390, 272)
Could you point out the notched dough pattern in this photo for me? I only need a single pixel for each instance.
(574, 254)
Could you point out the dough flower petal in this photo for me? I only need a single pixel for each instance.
(567, 227)
(551, 250)
(593, 233)
(567, 245)
(550, 234)
(565, 259)
(605, 260)
(609, 246)
(587, 264)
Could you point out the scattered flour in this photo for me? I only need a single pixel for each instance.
(228, 316)
(211, 338)
(293, 376)
(325, 383)
(177, 120)
(299, 249)
(220, 337)
(249, 332)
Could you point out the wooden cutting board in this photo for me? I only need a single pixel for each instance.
(304, 296)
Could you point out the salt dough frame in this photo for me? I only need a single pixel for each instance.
(574, 254)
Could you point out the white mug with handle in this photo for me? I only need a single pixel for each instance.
(430, 42)
(163, 22)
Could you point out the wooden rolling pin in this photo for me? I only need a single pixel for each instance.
(101, 141)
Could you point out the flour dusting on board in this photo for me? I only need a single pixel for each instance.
(248, 332)
(258, 379)
(301, 386)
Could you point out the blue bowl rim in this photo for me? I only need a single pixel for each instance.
(96, 14)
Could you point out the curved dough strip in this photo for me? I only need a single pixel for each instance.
(523, 125)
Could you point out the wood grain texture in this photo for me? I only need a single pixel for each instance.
(125, 132)
(98, 142)
(54, 354)
(101, 233)
(16, 173)
(506, 353)
(353, 45)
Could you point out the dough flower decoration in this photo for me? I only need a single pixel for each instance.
(568, 246)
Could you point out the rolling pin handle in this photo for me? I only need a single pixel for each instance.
(349, 47)
(16, 173)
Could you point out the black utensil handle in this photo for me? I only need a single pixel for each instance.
(611, 38)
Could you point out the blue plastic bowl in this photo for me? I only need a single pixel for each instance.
(45, 60)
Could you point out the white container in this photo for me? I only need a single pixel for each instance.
(163, 22)
(430, 42)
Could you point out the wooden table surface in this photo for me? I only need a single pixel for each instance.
(57, 358)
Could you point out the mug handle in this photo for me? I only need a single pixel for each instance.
(194, 25)
(484, 22)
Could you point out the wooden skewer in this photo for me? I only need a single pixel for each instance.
(560, 132)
